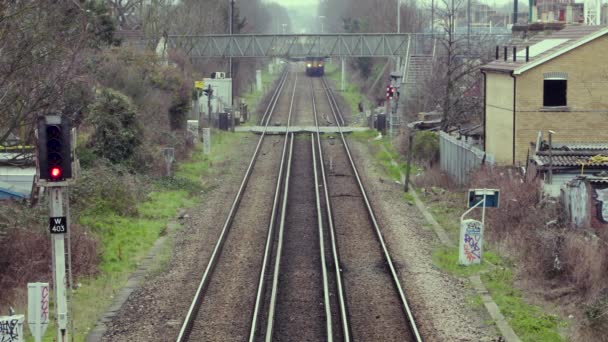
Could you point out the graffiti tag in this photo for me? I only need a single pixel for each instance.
(470, 242)
(11, 328)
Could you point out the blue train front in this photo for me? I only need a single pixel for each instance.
(315, 66)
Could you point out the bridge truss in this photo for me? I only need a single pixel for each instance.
(303, 45)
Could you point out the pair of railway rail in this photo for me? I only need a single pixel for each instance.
(336, 311)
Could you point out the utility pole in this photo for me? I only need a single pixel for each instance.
(432, 18)
(551, 156)
(469, 25)
(209, 94)
(199, 112)
(398, 68)
(230, 49)
(321, 18)
(409, 160)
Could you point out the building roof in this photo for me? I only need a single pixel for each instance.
(544, 48)
(568, 155)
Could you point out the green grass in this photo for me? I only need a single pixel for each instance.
(446, 258)
(385, 155)
(529, 321)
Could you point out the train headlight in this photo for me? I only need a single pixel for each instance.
(308, 65)
(320, 65)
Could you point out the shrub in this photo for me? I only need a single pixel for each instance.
(107, 188)
(426, 147)
(117, 133)
(26, 254)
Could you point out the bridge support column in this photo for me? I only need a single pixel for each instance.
(342, 74)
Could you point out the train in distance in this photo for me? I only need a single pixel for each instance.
(315, 66)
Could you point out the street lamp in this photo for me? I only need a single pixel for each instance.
(321, 18)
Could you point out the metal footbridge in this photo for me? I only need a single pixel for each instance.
(342, 45)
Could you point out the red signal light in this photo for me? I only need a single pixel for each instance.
(55, 172)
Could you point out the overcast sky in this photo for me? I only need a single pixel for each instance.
(295, 3)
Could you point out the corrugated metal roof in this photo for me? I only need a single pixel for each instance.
(570, 34)
(594, 146)
(568, 160)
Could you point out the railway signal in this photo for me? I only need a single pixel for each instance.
(54, 151)
(390, 92)
(55, 168)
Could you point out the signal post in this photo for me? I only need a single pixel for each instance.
(55, 169)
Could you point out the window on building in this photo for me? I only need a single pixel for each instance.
(555, 87)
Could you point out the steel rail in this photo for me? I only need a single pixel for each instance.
(331, 230)
(269, 239)
(277, 265)
(328, 320)
(336, 112)
(195, 305)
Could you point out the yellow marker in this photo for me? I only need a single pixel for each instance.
(199, 84)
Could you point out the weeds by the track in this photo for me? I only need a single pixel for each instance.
(446, 206)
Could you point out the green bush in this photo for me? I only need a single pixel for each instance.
(117, 133)
(107, 189)
(426, 146)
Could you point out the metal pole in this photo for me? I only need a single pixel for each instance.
(199, 112)
(409, 161)
(398, 16)
(551, 157)
(483, 210)
(230, 51)
(433, 17)
(321, 18)
(342, 76)
(469, 25)
(398, 68)
(231, 9)
(58, 242)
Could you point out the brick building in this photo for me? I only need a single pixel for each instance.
(562, 86)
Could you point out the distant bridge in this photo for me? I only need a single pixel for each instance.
(303, 45)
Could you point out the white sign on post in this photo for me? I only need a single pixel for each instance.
(206, 140)
(470, 242)
(11, 328)
(38, 295)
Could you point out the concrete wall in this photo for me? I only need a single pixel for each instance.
(499, 117)
(586, 118)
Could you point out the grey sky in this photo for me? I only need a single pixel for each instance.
(295, 3)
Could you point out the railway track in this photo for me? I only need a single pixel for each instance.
(375, 311)
(225, 287)
(300, 255)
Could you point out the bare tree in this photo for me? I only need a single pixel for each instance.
(456, 78)
(126, 13)
(41, 44)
